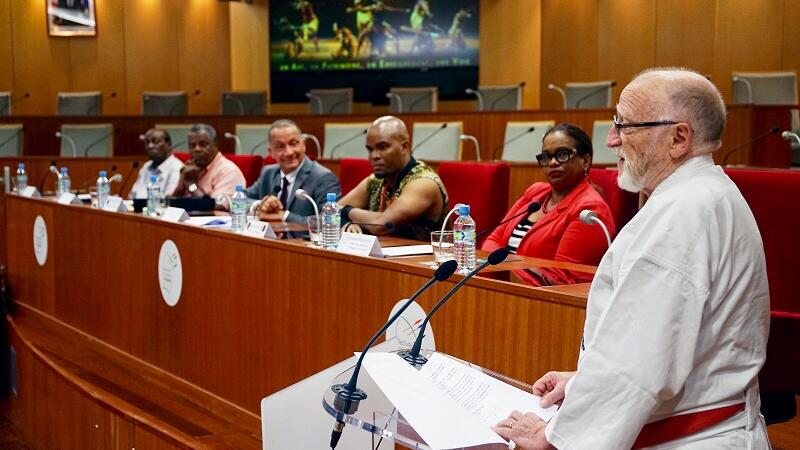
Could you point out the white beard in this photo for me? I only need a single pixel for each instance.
(633, 172)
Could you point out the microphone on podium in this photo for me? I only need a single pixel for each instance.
(532, 208)
(412, 356)
(348, 395)
(589, 217)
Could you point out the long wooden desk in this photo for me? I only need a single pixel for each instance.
(257, 315)
(744, 123)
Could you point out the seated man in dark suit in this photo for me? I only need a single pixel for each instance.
(277, 183)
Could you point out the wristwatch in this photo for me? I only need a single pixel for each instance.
(192, 188)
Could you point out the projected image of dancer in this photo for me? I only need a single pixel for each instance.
(346, 40)
(422, 28)
(456, 32)
(310, 24)
(366, 10)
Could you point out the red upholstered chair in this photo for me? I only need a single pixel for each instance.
(250, 165)
(623, 204)
(352, 171)
(182, 156)
(270, 160)
(483, 186)
(774, 198)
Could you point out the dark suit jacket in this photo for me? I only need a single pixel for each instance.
(312, 177)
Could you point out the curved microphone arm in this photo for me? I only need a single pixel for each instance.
(238, 141)
(316, 142)
(477, 94)
(318, 100)
(469, 137)
(553, 87)
(790, 135)
(303, 194)
(398, 99)
(589, 217)
(238, 101)
(71, 142)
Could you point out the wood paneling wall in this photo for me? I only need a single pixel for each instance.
(615, 39)
(157, 45)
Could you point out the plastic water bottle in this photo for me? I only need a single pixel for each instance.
(155, 200)
(331, 223)
(22, 178)
(103, 189)
(464, 240)
(238, 210)
(64, 182)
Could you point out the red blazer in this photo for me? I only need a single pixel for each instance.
(559, 235)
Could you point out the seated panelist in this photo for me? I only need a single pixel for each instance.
(401, 190)
(208, 171)
(555, 231)
(163, 164)
(277, 184)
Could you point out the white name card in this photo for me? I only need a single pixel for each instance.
(68, 198)
(114, 203)
(259, 229)
(30, 192)
(173, 214)
(359, 244)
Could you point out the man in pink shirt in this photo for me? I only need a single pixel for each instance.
(208, 171)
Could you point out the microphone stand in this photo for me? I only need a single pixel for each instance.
(86, 152)
(427, 138)
(494, 152)
(773, 130)
(589, 217)
(128, 176)
(494, 102)
(419, 99)
(350, 139)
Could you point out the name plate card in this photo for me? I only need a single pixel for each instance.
(259, 229)
(30, 192)
(68, 198)
(173, 214)
(114, 203)
(359, 244)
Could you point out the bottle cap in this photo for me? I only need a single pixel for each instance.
(153, 178)
(463, 210)
(21, 165)
(239, 188)
(102, 173)
(64, 170)
(331, 197)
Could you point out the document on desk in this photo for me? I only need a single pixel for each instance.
(210, 221)
(449, 404)
(407, 250)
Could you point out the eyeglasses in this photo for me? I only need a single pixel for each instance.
(562, 155)
(619, 125)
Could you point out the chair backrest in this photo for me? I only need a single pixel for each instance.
(774, 198)
(165, 103)
(330, 101)
(345, 140)
(602, 154)
(179, 133)
(595, 94)
(254, 138)
(764, 88)
(623, 204)
(79, 103)
(11, 140)
(413, 99)
(523, 140)
(183, 156)
(352, 171)
(90, 140)
(5, 103)
(250, 165)
(482, 185)
(501, 98)
(433, 142)
(251, 103)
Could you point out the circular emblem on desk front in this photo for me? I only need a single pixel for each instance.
(406, 328)
(40, 240)
(170, 273)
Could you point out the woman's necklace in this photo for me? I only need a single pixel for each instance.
(546, 200)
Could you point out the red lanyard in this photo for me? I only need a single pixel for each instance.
(385, 202)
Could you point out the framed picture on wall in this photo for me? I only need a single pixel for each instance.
(71, 18)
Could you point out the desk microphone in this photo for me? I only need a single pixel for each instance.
(128, 176)
(589, 217)
(346, 141)
(412, 356)
(301, 193)
(427, 138)
(532, 208)
(494, 102)
(12, 102)
(348, 395)
(786, 136)
(106, 136)
(51, 169)
(510, 140)
(773, 130)
(593, 93)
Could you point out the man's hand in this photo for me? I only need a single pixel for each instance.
(190, 172)
(270, 205)
(551, 387)
(271, 217)
(526, 430)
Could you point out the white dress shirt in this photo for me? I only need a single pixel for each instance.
(168, 173)
(676, 322)
(291, 177)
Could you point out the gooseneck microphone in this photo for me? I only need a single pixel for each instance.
(422, 97)
(428, 137)
(128, 176)
(412, 356)
(510, 140)
(593, 93)
(70, 141)
(773, 130)
(532, 208)
(348, 395)
(301, 193)
(589, 217)
(507, 94)
(347, 141)
(51, 169)
(786, 136)
(88, 147)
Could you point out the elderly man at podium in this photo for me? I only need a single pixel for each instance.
(678, 312)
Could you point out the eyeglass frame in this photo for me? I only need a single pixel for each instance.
(619, 125)
(545, 162)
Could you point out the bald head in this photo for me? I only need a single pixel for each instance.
(388, 147)
(389, 127)
(684, 95)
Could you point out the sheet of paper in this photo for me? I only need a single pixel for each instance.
(487, 398)
(437, 418)
(209, 221)
(407, 250)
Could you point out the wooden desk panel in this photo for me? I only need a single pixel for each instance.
(253, 316)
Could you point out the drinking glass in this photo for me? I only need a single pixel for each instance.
(314, 232)
(442, 244)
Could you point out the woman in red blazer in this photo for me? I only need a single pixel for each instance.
(556, 231)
